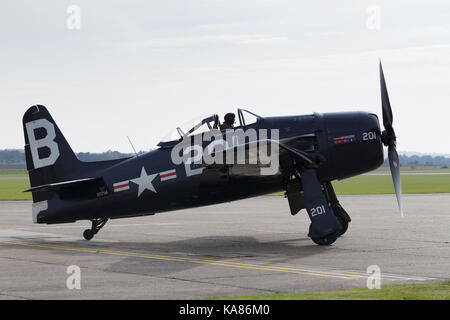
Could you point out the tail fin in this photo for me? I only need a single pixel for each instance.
(49, 157)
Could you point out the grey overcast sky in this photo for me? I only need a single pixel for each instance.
(142, 68)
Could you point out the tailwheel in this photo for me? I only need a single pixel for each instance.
(88, 234)
(97, 224)
(327, 240)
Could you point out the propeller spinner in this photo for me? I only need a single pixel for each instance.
(390, 140)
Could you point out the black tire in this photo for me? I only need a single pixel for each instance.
(327, 240)
(342, 218)
(88, 234)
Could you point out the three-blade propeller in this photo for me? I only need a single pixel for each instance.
(390, 140)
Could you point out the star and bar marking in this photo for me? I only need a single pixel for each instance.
(145, 181)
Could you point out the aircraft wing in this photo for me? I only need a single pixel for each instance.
(300, 147)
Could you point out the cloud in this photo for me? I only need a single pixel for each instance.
(181, 41)
(398, 55)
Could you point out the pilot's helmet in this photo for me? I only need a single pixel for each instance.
(229, 117)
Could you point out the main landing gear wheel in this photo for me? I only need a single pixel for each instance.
(97, 224)
(327, 240)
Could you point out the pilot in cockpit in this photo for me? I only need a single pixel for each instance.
(229, 120)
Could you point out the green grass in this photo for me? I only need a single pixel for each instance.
(12, 190)
(383, 184)
(13, 173)
(437, 169)
(366, 184)
(415, 291)
(429, 169)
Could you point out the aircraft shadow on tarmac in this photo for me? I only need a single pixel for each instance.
(160, 258)
(212, 248)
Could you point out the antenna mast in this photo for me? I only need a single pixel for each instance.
(132, 146)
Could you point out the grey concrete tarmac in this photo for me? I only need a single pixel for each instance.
(252, 246)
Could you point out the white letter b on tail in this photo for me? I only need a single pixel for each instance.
(44, 142)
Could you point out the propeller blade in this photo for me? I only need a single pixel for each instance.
(385, 103)
(390, 140)
(394, 163)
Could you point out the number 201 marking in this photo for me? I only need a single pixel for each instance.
(317, 210)
(369, 136)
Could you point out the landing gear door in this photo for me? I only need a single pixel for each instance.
(294, 193)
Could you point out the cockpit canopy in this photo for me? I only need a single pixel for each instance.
(206, 124)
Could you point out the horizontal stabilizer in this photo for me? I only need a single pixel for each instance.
(55, 187)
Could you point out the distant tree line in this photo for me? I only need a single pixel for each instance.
(108, 155)
(421, 160)
(12, 156)
(17, 156)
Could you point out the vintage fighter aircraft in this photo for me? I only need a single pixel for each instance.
(312, 151)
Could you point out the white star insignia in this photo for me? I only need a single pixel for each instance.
(145, 182)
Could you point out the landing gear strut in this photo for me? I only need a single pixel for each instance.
(97, 224)
(328, 219)
(342, 217)
(338, 210)
(325, 227)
